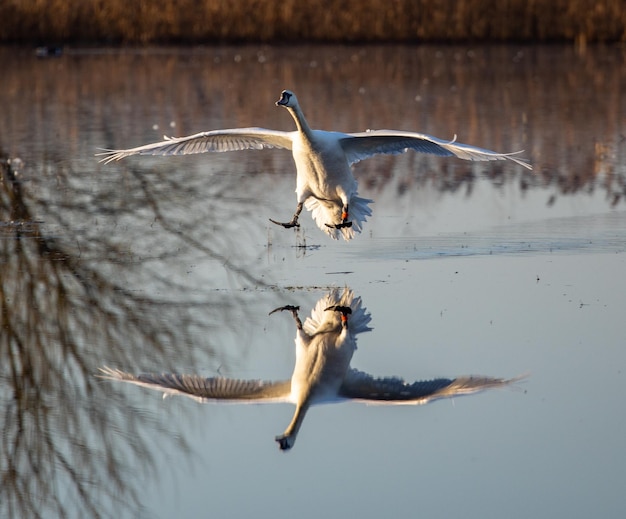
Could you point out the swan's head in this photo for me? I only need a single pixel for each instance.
(287, 99)
(286, 441)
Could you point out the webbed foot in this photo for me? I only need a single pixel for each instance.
(294, 219)
(291, 308)
(345, 310)
(294, 313)
(287, 225)
(339, 225)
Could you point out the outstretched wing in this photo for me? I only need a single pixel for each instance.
(235, 139)
(360, 146)
(391, 390)
(204, 389)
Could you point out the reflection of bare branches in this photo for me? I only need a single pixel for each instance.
(154, 203)
(52, 306)
(66, 307)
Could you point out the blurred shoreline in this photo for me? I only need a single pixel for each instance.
(190, 22)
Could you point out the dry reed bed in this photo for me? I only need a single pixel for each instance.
(198, 21)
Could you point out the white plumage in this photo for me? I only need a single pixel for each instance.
(325, 344)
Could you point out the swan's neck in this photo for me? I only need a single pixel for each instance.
(298, 117)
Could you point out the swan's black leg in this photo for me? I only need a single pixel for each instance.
(344, 220)
(294, 220)
(294, 312)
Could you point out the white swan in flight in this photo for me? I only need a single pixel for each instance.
(325, 344)
(325, 184)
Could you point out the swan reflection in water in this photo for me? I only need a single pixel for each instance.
(325, 343)
(325, 184)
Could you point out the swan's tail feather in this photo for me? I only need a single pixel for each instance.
(359, 211)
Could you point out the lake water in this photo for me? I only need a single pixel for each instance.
(171, 264)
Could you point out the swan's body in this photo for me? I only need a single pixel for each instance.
(325, 344)
(325, 183)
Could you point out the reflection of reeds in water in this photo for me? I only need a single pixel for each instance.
(192, 21)
(563, 108)
(65, 308)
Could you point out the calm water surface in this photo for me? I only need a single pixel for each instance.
(170, 264)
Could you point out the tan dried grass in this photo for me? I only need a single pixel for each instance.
(356, 21)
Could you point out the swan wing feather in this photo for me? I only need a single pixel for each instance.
(361, 386)
(205, 389)
(235, 139)
(360, 146)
